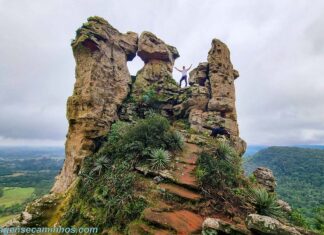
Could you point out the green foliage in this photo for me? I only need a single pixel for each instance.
(252, 179)
(174, 140)
(151, 98)
(118, 129)
(110, 200)
(225, 151)
(160, 159)
(222, 170)
(209, 232)
(298, 219)
(319, 219)
(1, 191)
(299, 174)
(150, 131)
(200, 173)
(100, 164)
(106, 194)
(265, 203)
(22, 169)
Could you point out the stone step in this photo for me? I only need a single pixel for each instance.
(192, 159)
(140, 229)
(189, 154)
(180, 173)
(185, 174)
(184, 222)
(180, 191)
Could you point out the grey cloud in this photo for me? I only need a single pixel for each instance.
(276, 46)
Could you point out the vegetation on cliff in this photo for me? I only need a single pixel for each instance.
(107, 194)
(300, 178)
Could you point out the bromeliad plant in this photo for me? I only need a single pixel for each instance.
(265, 203)
(160, 159)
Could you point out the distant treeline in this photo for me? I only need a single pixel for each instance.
(299, 173)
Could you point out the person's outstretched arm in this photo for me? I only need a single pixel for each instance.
(177, 69)
(189, 67)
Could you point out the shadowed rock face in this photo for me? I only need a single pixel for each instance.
(102, 83)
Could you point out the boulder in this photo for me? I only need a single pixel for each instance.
(150, 47)
(264, 176)
(267, 225)
(199, 75)
(155, 77)
(219, 225)
(284, 206)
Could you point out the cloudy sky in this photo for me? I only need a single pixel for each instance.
(277, 46)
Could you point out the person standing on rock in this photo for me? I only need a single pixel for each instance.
(184, 74)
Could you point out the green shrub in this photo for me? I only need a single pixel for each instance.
(265, 203)
(151, 98)
(222, 170)
(319, 219)
(253, 179)
(118, 129)
(298, 219)
(150, 131)
(174, 140)
(160, 159)
(99, 165)
(209, 231)
(109, 200)
(225, 151)
(107, 190)
(200, 173)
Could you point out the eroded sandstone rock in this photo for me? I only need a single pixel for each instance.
(155, 77)
(267, 225)
(102, 83)
(212, 104)
(150, 47)
(264, 176)
(284, 206)
(219, 225)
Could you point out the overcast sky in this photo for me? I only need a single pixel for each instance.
(277, 46)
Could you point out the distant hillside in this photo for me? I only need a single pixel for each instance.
(253, 149)
(26, 174)
(299, 173)
(15, 153)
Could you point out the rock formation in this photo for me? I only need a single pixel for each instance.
(266, 225)
(156, 75)
(102, 84)
(212, 85)
(144, 199)
(264, 176)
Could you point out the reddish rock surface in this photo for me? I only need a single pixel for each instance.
(185, 174)
(139, 229)
(181, 192)
(189, 154)
(182, 221)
